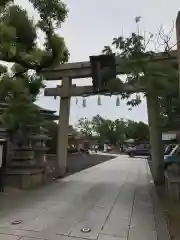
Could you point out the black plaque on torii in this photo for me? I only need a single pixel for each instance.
(103, 70)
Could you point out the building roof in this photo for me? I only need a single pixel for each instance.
(46, 113)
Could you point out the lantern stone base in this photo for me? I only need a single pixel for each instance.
(25, 178)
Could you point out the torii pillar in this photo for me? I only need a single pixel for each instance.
(178, 45)
(155, 135)
(154, 122)
(63, 126)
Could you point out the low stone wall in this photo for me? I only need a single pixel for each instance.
(76, 162)
(30, 178)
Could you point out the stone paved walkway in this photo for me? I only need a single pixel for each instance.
(116, 200)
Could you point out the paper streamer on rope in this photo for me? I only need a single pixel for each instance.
(117, 101)
(99, 101)
(84, 102)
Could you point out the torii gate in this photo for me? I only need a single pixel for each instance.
(68, 72)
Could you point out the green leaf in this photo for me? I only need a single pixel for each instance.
(3, 69)
(54, 10)
(17, 18)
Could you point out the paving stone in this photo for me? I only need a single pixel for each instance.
(117, 227)
(143, 211)
(120, 212)
(24, 215)
(17, 232)
(8, 237)
(94, 220)
(61, 227)
(108, 237)
(27, 238)
(38, 224)
(143, 201)
(53, 238)
(108, 198)
(143, 220)
(139, 234)
(93, 234)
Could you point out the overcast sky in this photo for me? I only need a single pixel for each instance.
(91, 24)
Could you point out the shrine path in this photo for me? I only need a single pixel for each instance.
(115, 200)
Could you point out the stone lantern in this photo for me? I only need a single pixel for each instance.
(38, 143)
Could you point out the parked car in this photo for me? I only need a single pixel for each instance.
(169, 148)
(172, 157)
(140, 150)
(126, 148)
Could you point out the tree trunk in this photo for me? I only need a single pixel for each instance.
(155, 133)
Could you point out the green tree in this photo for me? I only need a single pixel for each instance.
(119, 129)
(113, 131)
(108, 130)
(156, 77)
(137, 130)
(19, 46)
(85, 127)
(18, 35)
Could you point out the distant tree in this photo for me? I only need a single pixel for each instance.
(113, 131)
(85, 127)
(106, 129)
(137, 130)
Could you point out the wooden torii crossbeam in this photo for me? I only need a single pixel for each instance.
(69, 71)
(83, 70)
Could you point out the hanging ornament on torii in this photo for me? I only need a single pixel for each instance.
(117, 101)
(84, 102)
(99, 101)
